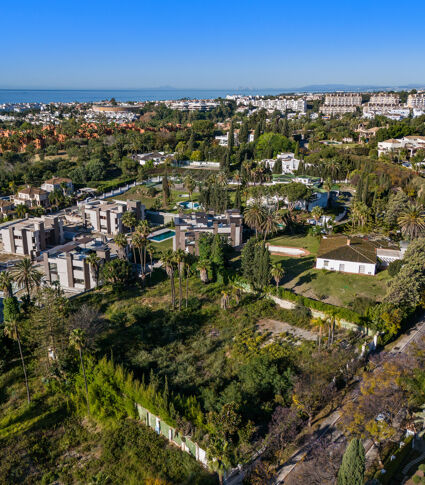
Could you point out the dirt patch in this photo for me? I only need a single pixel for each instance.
(275, 328)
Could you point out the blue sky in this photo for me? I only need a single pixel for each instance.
(210, 44)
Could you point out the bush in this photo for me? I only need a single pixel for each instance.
(395, 267)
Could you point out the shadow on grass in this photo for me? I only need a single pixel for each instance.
(295, 266)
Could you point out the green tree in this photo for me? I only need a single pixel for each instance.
(412, 221)
(168, 261)
(190, 185)
(11, 330)
(94, 263)
(77, 340)
(6, 281)
(118, 272)
(254, 216)
(129, 219)
(277, 272)
(25, 274)
(353, 464)
(21, 210)
(121, 241)
(180, 259)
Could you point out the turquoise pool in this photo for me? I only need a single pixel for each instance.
(189, 205)
(163, 236)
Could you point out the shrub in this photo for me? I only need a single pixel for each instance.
(395, 267)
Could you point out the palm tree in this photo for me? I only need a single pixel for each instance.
(144, 229)
(150, 251)
(320, 323)
(179, 258)
(129, 219)
(11, 330)
(317, 213)
(359, 214)
(412, 221)
(77, 340)
(277, 273)
(225, 298)
(333, 322)
(167, 259)
(121, 241)
(270, 223)
(6, 281)
(21, 210)
(254, 216)
(94, 261)
(203, 268)
(189, 260)
(190, 185)
(137, 242)
(26, 275)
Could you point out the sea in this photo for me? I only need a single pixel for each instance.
(10, 96)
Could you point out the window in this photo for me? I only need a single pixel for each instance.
(77, 281)
(326, 263)
(342, 267)
(53, 268)
(362, 269)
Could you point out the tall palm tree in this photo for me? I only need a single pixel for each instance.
(203, 268)
(94, 262)
(150, 250)
(254, 216)
(320, 323)
(129, 219)
(137, 242)
(270, 223)
(11, 330)
(180, 258)
(225, 298)
(77, 340)
(277, 273)
(167, 260)
(121, 241)
(26, 275)
(359, 214)
(317, 213)
(190, 185)
(412, 221)
(6, 281)
(144, 229)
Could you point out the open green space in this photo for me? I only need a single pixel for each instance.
(341, 289)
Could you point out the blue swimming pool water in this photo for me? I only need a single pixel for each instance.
(189, 205)
(162, 236)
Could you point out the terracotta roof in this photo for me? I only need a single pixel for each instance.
(32, 191)
(58, 180)
(5, 203)
(357, 251)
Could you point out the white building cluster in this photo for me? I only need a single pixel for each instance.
(341, 103)
(297, 104)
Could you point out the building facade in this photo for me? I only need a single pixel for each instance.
(106, 217)
(58, 183)
(32, 197)
(189, 227)
(31, 236)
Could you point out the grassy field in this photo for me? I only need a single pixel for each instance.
(340, 289)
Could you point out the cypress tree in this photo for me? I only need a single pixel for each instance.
(248, 256)
(261, 272)
(238, 202)
(257, 131)
(353, 464)
(277, 167)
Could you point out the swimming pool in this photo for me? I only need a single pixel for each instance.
(189, 205)
(163, 236)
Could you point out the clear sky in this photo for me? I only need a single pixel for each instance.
(210, 44)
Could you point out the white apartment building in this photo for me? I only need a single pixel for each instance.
(384, 99)
(278, 104)
(106, 216)
(416, 101)
(343, 99)
(29, 237)
(290, 164)
(411, 143)
(337, 110)
(67, 264)
(223, 140)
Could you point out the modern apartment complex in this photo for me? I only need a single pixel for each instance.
(68, 264)
(189, 227)
(29, 237)
(416, 101)
(106, 217)
(384, 99)
(341, 103)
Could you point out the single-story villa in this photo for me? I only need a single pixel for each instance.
(355, 255)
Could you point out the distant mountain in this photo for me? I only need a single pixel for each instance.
(352, 87)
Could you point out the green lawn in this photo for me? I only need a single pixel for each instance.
(329, 286)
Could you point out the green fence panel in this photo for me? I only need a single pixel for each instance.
(192, 447)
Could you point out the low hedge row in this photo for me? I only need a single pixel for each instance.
(336, 311)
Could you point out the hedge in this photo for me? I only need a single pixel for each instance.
(393, 467)
(344, 313)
